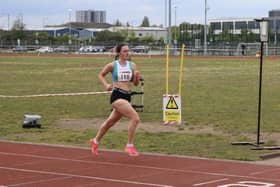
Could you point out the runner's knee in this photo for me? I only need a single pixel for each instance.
(135, 120)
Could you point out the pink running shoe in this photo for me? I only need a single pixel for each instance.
(94, 147)
(131, 151)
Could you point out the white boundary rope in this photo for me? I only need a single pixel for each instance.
(59, 94)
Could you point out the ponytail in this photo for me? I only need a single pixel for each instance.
(117, 56)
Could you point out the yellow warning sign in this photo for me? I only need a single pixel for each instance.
(172, 104)
(171, 108)
(172, 116)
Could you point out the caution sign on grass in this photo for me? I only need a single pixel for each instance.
(171, 109)
(172, 102)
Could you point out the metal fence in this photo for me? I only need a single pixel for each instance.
(240, 49)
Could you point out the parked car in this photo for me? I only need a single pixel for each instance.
(86, 49)
(140, 49)
(45, 49)
(82, 49)
(99, 49)
(61, 49)
(92, 49)
(19, 49)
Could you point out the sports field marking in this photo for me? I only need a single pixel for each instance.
(144, 167)
(248, 184)
(210, 182)
(264, 171)
(38, 181)
(85, 177)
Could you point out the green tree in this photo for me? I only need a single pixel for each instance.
(224, 36)
(17, 31)
(147, 39)
(145, 22)
(110, 36)
(252, 37)
(18, 25)
(211, 35)
(244, 35)
(132, 37)
(175, 33)
(44, 38)
(184, 33)
(118, 23)
(62, 40)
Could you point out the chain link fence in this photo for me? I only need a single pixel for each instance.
(239, 49)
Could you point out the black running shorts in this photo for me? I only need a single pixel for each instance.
(120, 94)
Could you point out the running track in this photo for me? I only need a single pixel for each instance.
(56, 166)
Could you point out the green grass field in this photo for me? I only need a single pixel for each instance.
(219, 94)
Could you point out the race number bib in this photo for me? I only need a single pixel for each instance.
(124, 76)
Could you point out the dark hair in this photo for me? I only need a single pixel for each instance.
(118, 49)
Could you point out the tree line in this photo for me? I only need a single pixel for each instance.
(185, 33)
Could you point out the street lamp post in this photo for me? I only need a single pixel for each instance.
(165, 14)
(205, 29)
(175, 32)
(169, 23)
(275, 32)
(44, 19)
(69, 41)
(263, 38)
(8, 20)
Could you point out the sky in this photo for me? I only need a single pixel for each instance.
(36, 13)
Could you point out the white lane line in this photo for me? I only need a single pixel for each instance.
(210, 182)
(39, 181)
(265, 171)
(141, 166)
(85, 177)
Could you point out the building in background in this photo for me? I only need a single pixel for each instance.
(274, 24)
(156, 33)
(234, 25)
(91, 16)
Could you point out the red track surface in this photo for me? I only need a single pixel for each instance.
(43, 165)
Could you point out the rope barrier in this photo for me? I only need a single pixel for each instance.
(59, 94)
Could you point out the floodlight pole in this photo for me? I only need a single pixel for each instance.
(8, 29)
(169, 23)
(175, 28)
(263, 38)
(8, 20)
(260, 95)
(165, 13)
(69, 28)
(205, 29)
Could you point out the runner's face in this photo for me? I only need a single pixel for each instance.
(124, 54)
